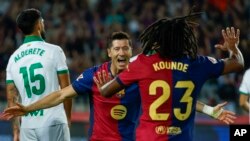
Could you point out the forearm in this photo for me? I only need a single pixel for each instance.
(199, 106)
(50, 100)
(12, 98)
(16, 126)
(64, 80)
(237, 56)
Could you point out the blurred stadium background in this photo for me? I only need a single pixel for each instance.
(80, 27)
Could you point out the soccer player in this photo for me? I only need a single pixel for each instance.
(170, 75)
(110, 119)
(35, 69)
(245, 91)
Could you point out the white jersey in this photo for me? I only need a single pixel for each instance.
(245, 84)
(33, 68)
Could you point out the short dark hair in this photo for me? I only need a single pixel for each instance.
(118, 36)
(27, 19)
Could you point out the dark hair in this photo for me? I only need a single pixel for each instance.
(171, 38)
(27, 19)
(118, 36)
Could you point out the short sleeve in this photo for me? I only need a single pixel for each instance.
(245, 84)
(60, 60)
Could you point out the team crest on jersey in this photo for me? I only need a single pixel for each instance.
(79, 77)
(118, 112)
(121, 93)
(213, 60)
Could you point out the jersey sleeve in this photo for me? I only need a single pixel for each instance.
(245, 84)
(9, 78)
(211, 66)
(84, 82)
(60, 61)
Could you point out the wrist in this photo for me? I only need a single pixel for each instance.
(208, 110)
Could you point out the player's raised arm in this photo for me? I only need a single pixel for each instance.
(235, 61)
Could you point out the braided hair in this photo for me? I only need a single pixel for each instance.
(171, 38)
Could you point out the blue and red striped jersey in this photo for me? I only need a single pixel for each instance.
(168, 90)
(111, 119)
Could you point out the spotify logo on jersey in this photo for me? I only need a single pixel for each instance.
(118, 112)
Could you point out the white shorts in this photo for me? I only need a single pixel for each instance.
(58, 132)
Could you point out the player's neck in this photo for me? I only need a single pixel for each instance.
(114, 70)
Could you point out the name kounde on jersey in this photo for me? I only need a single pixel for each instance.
(170, 65)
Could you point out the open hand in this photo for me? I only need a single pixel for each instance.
(102, 78)
(14, 111)
(231, 39)
(225, 116)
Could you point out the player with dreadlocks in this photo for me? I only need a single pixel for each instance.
(170, 75)
(176, 34)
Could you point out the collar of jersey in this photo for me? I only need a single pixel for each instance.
(151, 52)
(28, 39)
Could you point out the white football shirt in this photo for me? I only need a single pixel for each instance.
(245, 84)
(33, 68)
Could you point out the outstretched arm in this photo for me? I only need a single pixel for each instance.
(50, 100)
(216, 112)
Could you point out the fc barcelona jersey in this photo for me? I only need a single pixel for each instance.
(111, 119)
(168, 90)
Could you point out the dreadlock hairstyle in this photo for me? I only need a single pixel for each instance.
(171, 38)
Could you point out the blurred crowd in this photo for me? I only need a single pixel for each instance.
(80, 27)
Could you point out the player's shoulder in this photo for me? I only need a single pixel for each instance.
(52, 46)
(104, 66)
(207, 59)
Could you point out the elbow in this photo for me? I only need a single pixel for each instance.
(239, 67)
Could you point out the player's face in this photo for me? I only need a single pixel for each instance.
(120, 53)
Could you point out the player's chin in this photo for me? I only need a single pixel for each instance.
(121, 67)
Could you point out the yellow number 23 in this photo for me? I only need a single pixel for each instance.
(189, 85)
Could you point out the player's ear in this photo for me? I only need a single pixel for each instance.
(109, 52)
(39, 25)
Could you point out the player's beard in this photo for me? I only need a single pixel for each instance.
(43, 35)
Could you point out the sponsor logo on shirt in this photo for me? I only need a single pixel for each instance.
(79, 77)
(172, 130)
(213, 60)
(118, 112)
(35, 113)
